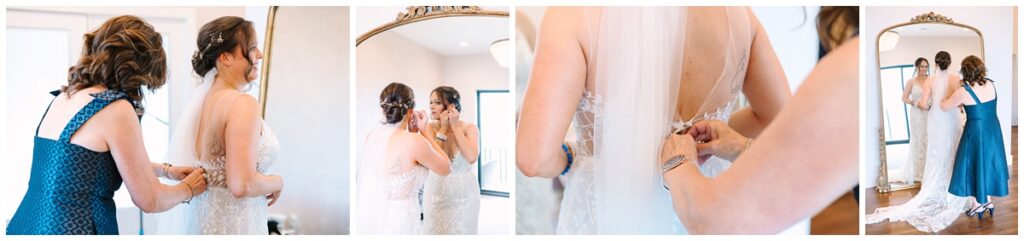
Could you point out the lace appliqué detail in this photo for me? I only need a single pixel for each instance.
(217, 211)
(579, 205)
(451, 204)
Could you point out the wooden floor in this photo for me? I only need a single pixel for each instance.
(840, 218)
(1004, 222)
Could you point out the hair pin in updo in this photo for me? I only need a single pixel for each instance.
(215, 38)
(389, 105)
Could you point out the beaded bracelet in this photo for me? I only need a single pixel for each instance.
(568, 156)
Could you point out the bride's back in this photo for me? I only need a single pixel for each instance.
(716, 48)
(210, 142)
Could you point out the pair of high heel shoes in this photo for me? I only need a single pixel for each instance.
(980, 210)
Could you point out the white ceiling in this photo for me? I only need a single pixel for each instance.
(934, 30)
(445, 36)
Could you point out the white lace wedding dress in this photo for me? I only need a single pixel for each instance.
(614, 184)
(387, 195)
(912, 169)
(216, 211)
(933, 208)
(451, 204)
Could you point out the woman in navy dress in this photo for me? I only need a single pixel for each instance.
(979, 169)
(90, 139)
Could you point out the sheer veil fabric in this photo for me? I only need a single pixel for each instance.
(636, 63)
(371, 183)
(182, 152)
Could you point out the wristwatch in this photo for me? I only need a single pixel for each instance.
(441, 137)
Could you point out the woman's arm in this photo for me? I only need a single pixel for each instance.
(812, 153)
(241, 138)
(958, 98)
(429, 154)
(555, 88)
(466, 136)
(765, 86)
(926, 95)
(126, 146)
(906, 92)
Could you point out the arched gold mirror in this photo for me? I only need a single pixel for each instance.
(902, 139)
(304, 99)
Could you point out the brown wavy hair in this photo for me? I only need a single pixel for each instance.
(123, 54)
(974, 71)
(836, 24)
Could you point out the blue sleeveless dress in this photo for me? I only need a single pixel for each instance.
(71, 188)
(980, 166)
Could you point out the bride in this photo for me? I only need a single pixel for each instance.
(221, 130)
(914, 94)
(451, 205)
(933, 208)
(394, 166)
(619, 75)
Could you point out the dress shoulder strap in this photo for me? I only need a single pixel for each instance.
(101, 100)
(971, 91)
(55, 93)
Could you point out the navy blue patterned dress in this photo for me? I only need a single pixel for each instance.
(71, 188)
(980, 166)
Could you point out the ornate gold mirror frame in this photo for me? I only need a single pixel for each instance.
(932, 18)
(422, 13)
(268, 41)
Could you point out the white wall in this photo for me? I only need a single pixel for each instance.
(469, 73)
(385, 58)
(995, 24)
(308, 107)
(911, 48)
(794, 37)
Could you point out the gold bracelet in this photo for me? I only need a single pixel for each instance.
(191, 194)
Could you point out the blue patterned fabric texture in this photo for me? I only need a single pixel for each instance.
(71, 188)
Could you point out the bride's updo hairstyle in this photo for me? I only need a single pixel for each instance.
(942, 60)
(123, 54)
(449, 96)
(973, 70)
(220, 36)
(396, 100)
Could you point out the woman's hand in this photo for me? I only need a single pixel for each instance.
(274, 196)
(196, 181)
(717, 140)
(677, 145)
(418, 121)
(922, 105)
(178, 172)
(452, 117)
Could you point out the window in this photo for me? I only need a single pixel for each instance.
(894, 111)
(496, 120)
